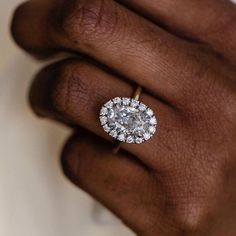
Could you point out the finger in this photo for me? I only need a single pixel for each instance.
(118, 181)
(207, 21)
(78, 94)
(111, 34)
(42, 94)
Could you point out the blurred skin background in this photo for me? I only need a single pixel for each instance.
(35, 198)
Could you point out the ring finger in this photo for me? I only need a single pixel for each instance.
(77, 92)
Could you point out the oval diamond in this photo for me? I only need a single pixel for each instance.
(128, 120)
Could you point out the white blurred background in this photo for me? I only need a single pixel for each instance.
(35, 198)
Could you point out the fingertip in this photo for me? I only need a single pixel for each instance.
(81, 153)
(68, 162)
(27, 29)
(16, 27)
(40, 90)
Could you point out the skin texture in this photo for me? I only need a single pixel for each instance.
(183, 53)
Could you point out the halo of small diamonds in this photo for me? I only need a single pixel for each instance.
(128, 120)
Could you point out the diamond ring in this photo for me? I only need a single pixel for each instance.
(128, 120)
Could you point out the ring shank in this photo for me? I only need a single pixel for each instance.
(136, 96)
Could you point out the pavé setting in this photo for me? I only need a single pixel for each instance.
(128, 120)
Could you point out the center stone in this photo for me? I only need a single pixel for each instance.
(128, 120)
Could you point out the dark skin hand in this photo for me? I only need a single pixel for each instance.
(183, 53)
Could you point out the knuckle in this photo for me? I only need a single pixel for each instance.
(71, 94)
(227, 101)
(218, 27)
(211, 101)
(188, 215)
(208, 91)
(187, 210)
(195, 81)
(225, 25)
(190, 197)
(88, 19)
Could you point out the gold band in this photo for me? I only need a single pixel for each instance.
(136, 96)
(137, 93)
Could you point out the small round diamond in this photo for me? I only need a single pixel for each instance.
(104, 111)
(147, 136)
(128, 120)
(126, 101)
(149, 112)
(130, 139)
(142, 107)
(109, 104)
(121, 137)
(113, 133)
(139, 140)
(152, 129)
(134, 103)
(103, 120)
(117, 100)
(106, 128)
(153, 121)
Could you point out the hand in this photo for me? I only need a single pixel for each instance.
(183, 53)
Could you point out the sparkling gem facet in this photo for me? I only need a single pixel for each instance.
(130, 139)
(121, 137)
(142, 107)
(104, 111)
(153, 121)
(117, 100)
(103, 120)
(128, 120)
(106, 128)
(113, 133)
(147, 136)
